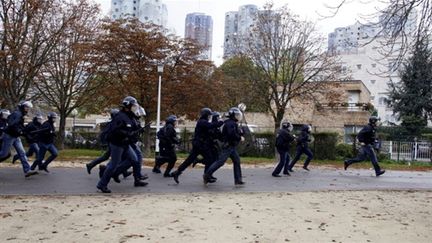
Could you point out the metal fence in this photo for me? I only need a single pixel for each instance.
(408, 151)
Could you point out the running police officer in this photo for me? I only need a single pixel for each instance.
(201, 143)
(303, 148)
(231, 135)
(120, 138)
(168, 139)
(283, 142)
(31, 137)
(11, 137)
(367, 138)
(4, 114)
(45, 137)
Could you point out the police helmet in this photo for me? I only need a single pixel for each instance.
(4, 114)
(171, 119)
(38, 118)
(235, 113)
(206, 112)
(129, 101)
(287, 125)
(52, 115)
(373, 120)
(24, 104)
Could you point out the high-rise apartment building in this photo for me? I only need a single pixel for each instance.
(154, 11)
(199, 27)
(238, 24)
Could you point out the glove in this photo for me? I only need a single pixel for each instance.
(242, 139)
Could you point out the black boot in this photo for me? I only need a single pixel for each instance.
(139, 183)
(380, 172)
(156, 170)
(44, 168)
(346, 164)
(103, 189)
(89, 167)
(116, 178)
(175, 175)
(30, 173)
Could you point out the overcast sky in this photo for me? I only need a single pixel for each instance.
(308, 9)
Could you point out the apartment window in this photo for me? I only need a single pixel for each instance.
(116, 10)
(350, 132)
(374, 65)
(373, 81)
(359, 66)
(382, 101)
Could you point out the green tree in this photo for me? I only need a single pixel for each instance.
(238, 76)
(411, 97)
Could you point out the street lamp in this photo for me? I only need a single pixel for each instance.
(160, 68)
(73, 113)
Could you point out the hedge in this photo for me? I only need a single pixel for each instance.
(324, 145)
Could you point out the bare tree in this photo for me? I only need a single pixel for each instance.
(289, 53)
(67, 80)
(29, 30)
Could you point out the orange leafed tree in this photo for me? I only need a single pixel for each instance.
(128, 53)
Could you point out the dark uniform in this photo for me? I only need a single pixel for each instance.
(31, 138)
(167, 141)
(3, 124)
(231, 137)
(45, 139)
(11, 136)
(201, 143)
(303, 148)
(283, 144)
(121, 135)
(367, 139)
(106, 155)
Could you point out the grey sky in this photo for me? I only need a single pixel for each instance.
(178, 9)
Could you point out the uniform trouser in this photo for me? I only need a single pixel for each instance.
(366, 151)
(229, 152)
(101, 159)
(8, 142)
(1, 144)
(137, 162)
(167, 155)
(301, 150)
(130, 158)
(119, 157)
(43, 148)
(33, 149)
(193, 155)
(283, 162)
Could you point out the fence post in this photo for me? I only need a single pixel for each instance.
(398, 150)
(391, 149)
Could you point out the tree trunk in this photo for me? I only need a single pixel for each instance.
(62, 128)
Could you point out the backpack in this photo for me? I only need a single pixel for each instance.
(105, 135)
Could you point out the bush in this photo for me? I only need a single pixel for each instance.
(344, 151)
(325, 145)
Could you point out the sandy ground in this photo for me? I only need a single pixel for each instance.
(362, 216)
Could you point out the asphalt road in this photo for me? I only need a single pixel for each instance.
(76, 181)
